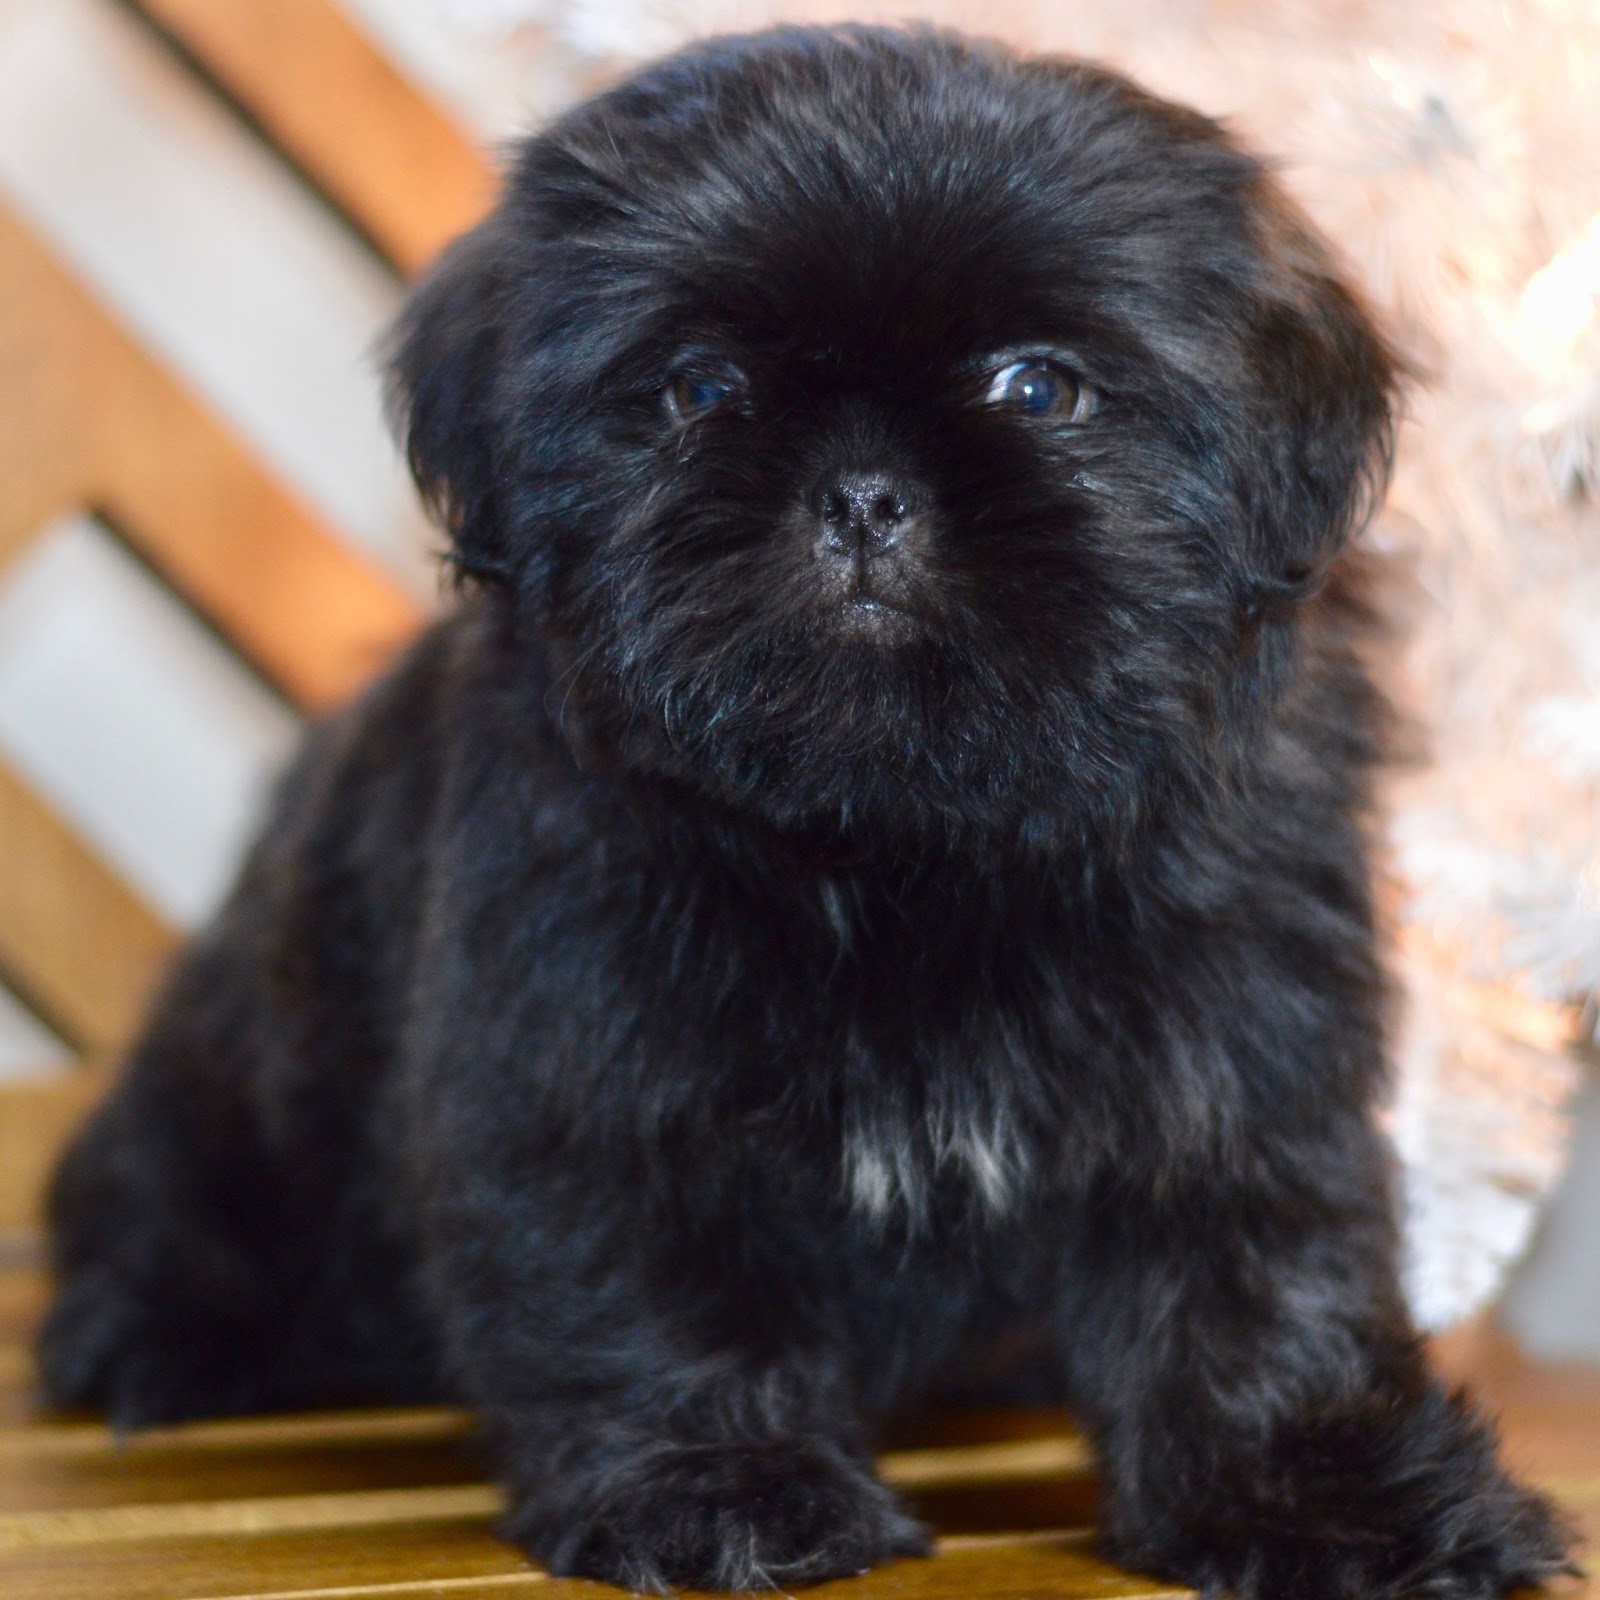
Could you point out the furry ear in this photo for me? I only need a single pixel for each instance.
(444, 361)
(1319, 440)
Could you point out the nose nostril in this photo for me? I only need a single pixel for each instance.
(869, 513)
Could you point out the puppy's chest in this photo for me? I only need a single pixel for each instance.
(897, 1165)
(947, 1086)
(929, 1050)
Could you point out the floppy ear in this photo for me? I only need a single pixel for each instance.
(444, 358)
(1320, 440)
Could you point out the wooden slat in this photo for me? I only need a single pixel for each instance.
(61, 1479)
(23, 1295)
(404, 1558)
(498, 1587)
(60, 1475)
(130, 1480)
(989, 1509)
(36, 1120)
(187, 1567)
(43, 466)
(377, 1536)
(459, 1556)
(374, 1541)
(1051, 1566)
(228, 1514)
(1003, 1461)
(73, 936)
(87, 418)
(225, 1438)
(376, 146)
(87, 950)
(23, 1292)
(18, 1398)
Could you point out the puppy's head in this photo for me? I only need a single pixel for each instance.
(893, 434)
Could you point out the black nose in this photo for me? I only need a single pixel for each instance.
(866, 513)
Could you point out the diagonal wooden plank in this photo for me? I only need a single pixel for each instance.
(85, 411)
(73, 937)
(366, 137)
(36, 1120)
(87, 418)
(87, 951)
(48, 489)
(42, 464)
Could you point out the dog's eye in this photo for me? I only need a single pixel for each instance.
(1040, 388)
(692, 395)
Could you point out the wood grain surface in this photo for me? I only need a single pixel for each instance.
(397, 1503)
(72, 934)
(89, 421)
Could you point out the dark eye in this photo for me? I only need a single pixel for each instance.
(1039, 388)
(692, 395)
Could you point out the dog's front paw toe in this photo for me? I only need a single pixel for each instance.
(726, 1517)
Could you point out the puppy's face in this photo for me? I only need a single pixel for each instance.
(893, 434)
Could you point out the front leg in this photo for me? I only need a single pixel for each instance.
(665, 1385)
(1268, 1424)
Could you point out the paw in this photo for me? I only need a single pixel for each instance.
(1417, 1509)
(103, 1349)
(731, 1516)
(1482, 1553)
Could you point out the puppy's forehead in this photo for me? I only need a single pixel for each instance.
(883, 190)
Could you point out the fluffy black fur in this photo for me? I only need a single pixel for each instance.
(871, 873)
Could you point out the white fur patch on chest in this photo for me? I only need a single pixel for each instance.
(891, 1167)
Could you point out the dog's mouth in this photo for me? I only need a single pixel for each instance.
(869, 614)
(872, 599)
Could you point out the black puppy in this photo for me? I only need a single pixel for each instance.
(871, 874)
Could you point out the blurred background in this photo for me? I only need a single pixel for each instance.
(208, 213)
